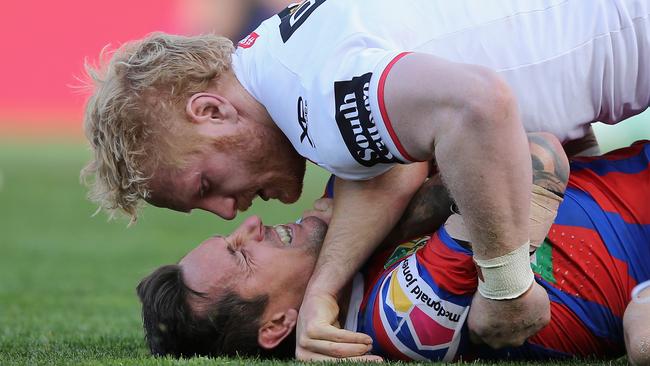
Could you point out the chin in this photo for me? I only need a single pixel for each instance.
(291, 191)
(291, 197)
(317, 229)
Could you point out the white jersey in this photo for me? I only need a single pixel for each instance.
(319, 67)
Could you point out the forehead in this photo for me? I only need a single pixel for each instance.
(209, 267)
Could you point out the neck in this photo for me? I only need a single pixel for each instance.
(247, 106)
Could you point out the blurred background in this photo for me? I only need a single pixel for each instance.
(67, 279)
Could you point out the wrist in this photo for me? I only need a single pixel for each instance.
(506, 277)
(321, 287)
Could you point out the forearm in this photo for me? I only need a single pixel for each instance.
(466, 117)
(490, 180)
(364, 212)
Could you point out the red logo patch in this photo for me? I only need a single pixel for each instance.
(249, 41)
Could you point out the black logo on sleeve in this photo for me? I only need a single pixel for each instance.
(302, 121)
(356, 123)
(294, 15)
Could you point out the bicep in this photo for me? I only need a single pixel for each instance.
(425, 96)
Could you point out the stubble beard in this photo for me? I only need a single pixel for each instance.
(269, 151)
(316, 235)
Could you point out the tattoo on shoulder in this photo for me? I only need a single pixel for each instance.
(550, 169)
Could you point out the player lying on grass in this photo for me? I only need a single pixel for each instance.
(241, 293)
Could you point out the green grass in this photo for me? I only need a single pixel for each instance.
(67, 279)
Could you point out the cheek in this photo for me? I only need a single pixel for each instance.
(302, 264)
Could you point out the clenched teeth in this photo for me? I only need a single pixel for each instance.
(285, 233)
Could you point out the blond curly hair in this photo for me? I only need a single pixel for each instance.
(132, 117)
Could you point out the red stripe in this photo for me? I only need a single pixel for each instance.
(583, 267)
(617, 192)
(566, 333)
(453, 271)
(618, 154)
(382, 106)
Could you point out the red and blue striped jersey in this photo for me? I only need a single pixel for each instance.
(416, 296)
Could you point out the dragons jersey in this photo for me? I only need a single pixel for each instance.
(413, 299)
(320, 67)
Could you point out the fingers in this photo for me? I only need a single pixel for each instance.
(319, 339)
(329, 341)
(322, 209)
(497, 343)
(323, 204)
(335, 350)
(333, 334)
(303, 355)
(509, 323)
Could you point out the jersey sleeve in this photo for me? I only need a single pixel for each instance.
(374, 66)
(377, 104)
(356, 76)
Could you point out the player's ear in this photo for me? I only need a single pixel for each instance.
(210, 108)
(277, 328)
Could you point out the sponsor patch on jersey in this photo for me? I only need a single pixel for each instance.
(418, 321)
(405, 249)
(356, 123)
(249, 41)
(295, 15)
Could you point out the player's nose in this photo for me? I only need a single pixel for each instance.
(252, 227)
(224, 207)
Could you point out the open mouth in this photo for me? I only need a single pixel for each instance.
(285, 234)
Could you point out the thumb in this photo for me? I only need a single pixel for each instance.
(323, 204)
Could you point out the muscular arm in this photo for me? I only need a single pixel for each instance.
(465, 117)
(431, 204)
(550, 163)
(364, 212)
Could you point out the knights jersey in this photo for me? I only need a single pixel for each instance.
(413, 299)
(319, 67)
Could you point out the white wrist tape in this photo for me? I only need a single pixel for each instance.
(506, 277)
(637, 290)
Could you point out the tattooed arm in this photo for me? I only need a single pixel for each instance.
(550, 163)
(431, 205)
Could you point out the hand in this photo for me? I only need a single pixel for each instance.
(319, 338)
(322, 209)
(509, 323)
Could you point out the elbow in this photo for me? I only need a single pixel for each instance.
(492, 104)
